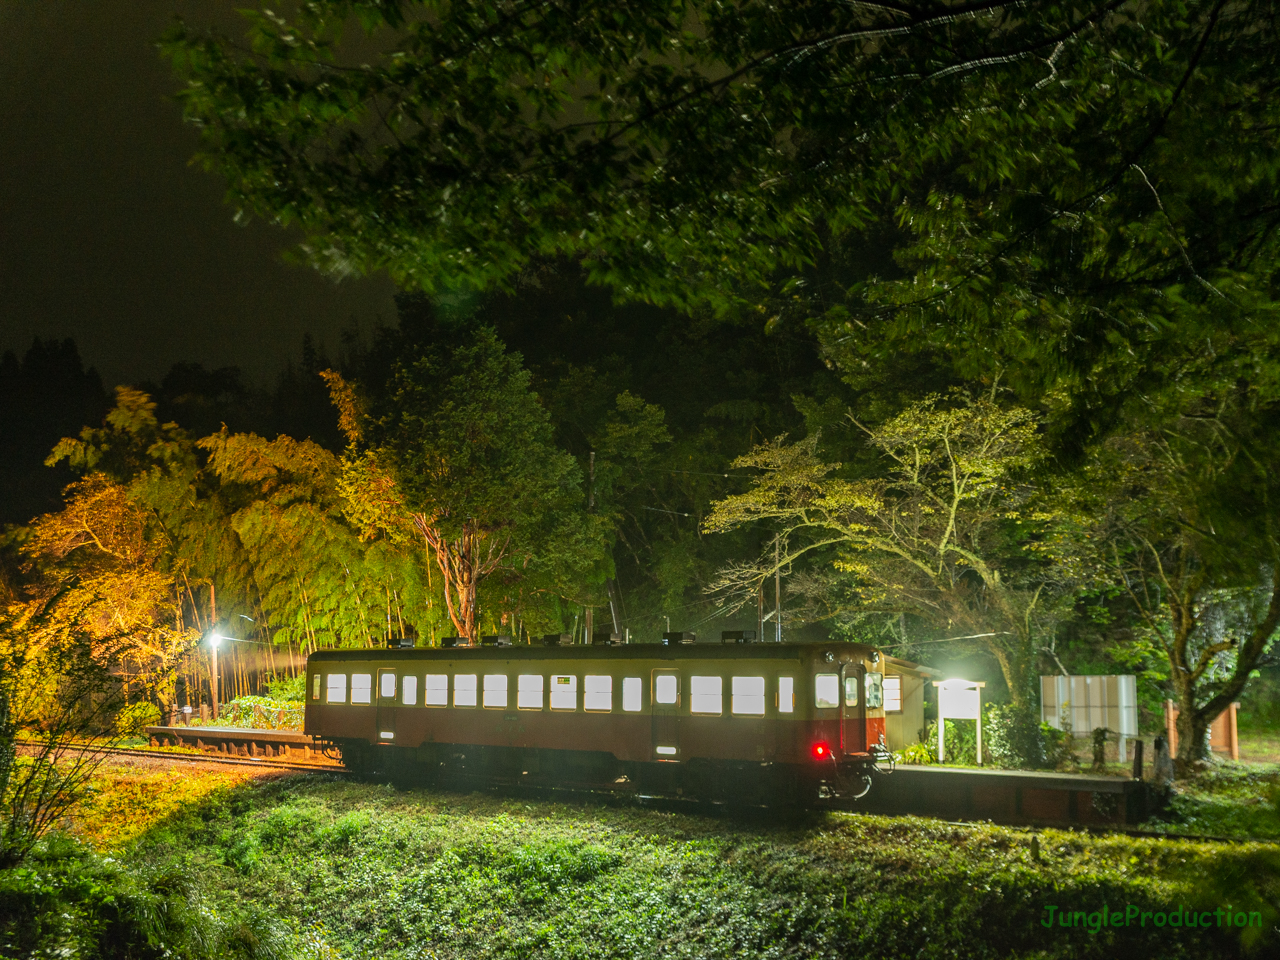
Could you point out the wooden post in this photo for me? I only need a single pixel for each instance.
(1233, 739)
(1171, 728)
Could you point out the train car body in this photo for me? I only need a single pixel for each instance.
(742, 722)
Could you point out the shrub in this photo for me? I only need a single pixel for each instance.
(67, 901)
(1059, 750)
(918, 753)
(132, 719)
(960, 743)
(1014, 738)
(263, 713)
(288, 688)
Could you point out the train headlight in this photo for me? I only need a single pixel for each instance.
(822, 750)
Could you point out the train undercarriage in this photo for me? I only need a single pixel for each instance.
(723, 782)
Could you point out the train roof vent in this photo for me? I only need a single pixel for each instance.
(737, 636)
(557, 639)
(455, 642)
(607, 639)
(401, 643)
(669, 639)
(495, 641)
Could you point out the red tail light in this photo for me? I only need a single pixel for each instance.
(822, 750)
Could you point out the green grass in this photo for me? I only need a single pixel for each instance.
(362, 871)
(1227, 800)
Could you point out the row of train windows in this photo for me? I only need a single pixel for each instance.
(706, 694)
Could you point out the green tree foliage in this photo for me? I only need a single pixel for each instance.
(100, 558)
(56, 688)
(162, 471)
(456, 449)
(936, 534)
(317, 581)
(1065, 187)
(1180, 522)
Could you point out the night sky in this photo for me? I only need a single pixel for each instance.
(109, 235)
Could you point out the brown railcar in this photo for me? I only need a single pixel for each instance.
(740, 722)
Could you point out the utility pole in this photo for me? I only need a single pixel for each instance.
(760, 612)
(213, 676)
(213, 644)
(588, 614)
(611, 586)
(777, 587)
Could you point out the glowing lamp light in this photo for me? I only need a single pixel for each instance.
(821, 750)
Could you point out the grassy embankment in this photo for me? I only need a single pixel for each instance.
(360, 870)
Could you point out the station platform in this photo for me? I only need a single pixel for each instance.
(1013, 797)
(239, 742)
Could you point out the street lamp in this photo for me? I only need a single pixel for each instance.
(214, 638)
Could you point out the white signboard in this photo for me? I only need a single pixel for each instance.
(958, 703)
(959, 700)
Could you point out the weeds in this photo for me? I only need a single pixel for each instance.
(430, 874)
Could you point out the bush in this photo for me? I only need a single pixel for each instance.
(960, 743)
(918, 753)
(263, 713)
(132, 719)
(288, 688)
(1059, 750)
(67, 901)
(1014, 738)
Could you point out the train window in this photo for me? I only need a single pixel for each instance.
(336, 688)
(631, 694)
(362, 688)
(495, 690)
(893, 694)
(464, 689)
(748, 696)
(786, 695)
(315, 687)
(850, 691)
(386, 684)
(435, 691)
(666, 688)
(529, 691)
(409, 691)
(564, 693)
(826, 690)
(706, 695)
(597, 693)
(875, 690)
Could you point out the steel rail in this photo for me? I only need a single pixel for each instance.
(259, 762)
(693, 805)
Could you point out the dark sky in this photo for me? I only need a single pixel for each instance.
(109, 235)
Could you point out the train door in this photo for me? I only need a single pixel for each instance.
(853, 709)
(665, 702)
(386, 705)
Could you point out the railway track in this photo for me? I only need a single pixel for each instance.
(579, 794)
(260, 763)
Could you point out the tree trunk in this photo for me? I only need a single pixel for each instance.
(1192, 725)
